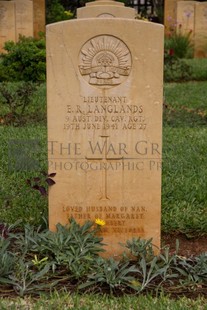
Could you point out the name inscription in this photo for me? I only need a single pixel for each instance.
(104, 113)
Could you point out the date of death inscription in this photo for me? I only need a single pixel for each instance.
(104, 113)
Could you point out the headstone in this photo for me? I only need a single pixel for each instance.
(24, 18)
(185, 16)
(7, 22)
(170, 14)
(104, 92)
(39, 17)
(105, 9)
(201, 29)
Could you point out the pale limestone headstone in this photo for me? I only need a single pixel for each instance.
(104, 92)
(7, 22)
(105, 9)
(186, 19)
(201, 29)
(39, 17)
(170, 14)
(185, 16)
(24, 18)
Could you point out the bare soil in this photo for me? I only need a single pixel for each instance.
(187, 246)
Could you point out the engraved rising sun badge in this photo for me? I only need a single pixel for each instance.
(105, 61)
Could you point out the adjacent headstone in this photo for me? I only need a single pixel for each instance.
(7, 22)
(185, 16)
(201, 29)
(104, 91)
(170, 14)
(24, 18)
(186, 19)
(105, 9)
(39, 17)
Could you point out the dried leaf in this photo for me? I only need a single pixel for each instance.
(52, 175)
(42, 191)
(50, 181)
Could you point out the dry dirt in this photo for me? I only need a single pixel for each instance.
(187, 246)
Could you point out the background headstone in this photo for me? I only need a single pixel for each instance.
(24, 18)
(104, 90)
(39, 17)
(186, 15)
(186, 18)
(7, 22)
(105, 9)
(170, 13)
(201, 29)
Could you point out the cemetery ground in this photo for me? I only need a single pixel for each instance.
(175, 280)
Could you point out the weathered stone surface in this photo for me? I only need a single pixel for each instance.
(201, 29)
(170, 14)
(185, 16)
(104, 90)
(39, 17)
(105, 9)
(7, 22)
(24, 18)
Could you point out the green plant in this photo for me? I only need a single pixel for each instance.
(179, 41)
(42, 182)
(194, 270)
(198, 68)
(7, 259)
(175, 69)
(16, 97)
(27, 240)
(60, 300)
(111, 274)
(24, 60)
(33, 261)
(140, 248)
(25, 280)
(150, 268)
(39, 263)
(17, 199)
(76, 247)
(56, 12)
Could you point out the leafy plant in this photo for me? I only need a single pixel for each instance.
(193, 269)
(42, 182)
(112, 274)
(178, 41)
(140, 248)
(16, 98)
(39, 263)
(76, 247)
(175, 69)
(56, 12)
(25, 280)
(150, 268)
(26, 241)
(34, 260)
(4, 230)
(24, 60)
(7, 259)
